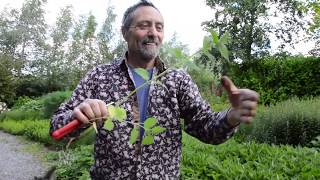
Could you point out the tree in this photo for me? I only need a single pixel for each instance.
(167, 54)
(315, 27)
(56, 67)
(249, 24)
(106, 35)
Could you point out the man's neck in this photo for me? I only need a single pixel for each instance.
(138, 62)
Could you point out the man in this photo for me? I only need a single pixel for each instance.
(115, 158)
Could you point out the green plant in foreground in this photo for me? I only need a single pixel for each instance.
(118, 114)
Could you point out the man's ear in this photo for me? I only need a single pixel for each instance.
(124, 34)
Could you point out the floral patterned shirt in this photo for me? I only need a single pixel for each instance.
(178, 98)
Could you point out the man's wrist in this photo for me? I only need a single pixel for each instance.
(232, 120)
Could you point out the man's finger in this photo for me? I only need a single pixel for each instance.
(232, 90)
(228, 85)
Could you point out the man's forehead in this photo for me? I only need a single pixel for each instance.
(147, 13)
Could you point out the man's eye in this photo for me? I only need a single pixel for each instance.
(143, 26)
(159, 28)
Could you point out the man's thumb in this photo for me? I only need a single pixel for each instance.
(228, 85)
(232, 91)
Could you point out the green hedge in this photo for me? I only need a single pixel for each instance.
(295, 122)
(26, 108)
(52, 101)
(279, 79)
(36, 130)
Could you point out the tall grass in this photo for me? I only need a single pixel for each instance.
(294, 122)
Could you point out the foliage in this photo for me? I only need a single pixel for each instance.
(7, 80)
(230, 160)
(36, 130)
(315, 143)
(73, 163)
(278, 79)
(294, 122)
(25, 103)
(249, 24)
(250, 160)
(52, 101)
(20, 114)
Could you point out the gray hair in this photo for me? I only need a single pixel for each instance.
(128, 15)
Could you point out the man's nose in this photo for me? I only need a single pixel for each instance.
(152, 30)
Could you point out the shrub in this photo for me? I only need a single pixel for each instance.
(73, 163)
(250, 160)
(294, 122)
(277, 79)
(22, 115)
(53, 100)
(36, 130)
(26, 103)
(230, 160)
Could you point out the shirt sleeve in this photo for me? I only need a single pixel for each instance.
(199, 120)
(84, 90)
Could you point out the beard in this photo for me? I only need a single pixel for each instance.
(149, 52)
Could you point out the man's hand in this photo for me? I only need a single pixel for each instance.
(90, 109)
(243, 103)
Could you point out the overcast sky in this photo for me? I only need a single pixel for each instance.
(181, 16)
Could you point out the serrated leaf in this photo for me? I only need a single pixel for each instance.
(147, 140)
(109, 125)
(111, 110)
(120, 114)
(143, 73)
(149, 123)
(157, 130)
(134, 135)
(214, 37)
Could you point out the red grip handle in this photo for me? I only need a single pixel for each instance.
(60, 133)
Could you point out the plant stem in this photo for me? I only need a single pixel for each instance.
(134, 91)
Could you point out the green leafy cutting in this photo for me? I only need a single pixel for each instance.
(149, 123)
(134, 135)
(147, 140)
(108, 124)
(143, 73)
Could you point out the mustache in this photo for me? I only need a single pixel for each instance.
(150, 40)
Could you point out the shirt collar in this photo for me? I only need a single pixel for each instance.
(159, 65)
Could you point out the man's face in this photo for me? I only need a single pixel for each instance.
(145, 34)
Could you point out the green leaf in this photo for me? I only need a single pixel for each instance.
(149, 123)
(147, 140)
(109, 125)
(210, 56)
(120, 114)
(157, 130)
(206, 44)
(117, 113)
(225, 38)
(143, 73)
(111, 110)
(224, 51)
(214, 36)
(134, 135)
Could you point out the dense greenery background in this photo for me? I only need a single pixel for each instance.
(41, 64)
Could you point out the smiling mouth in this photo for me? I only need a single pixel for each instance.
(150, 44)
